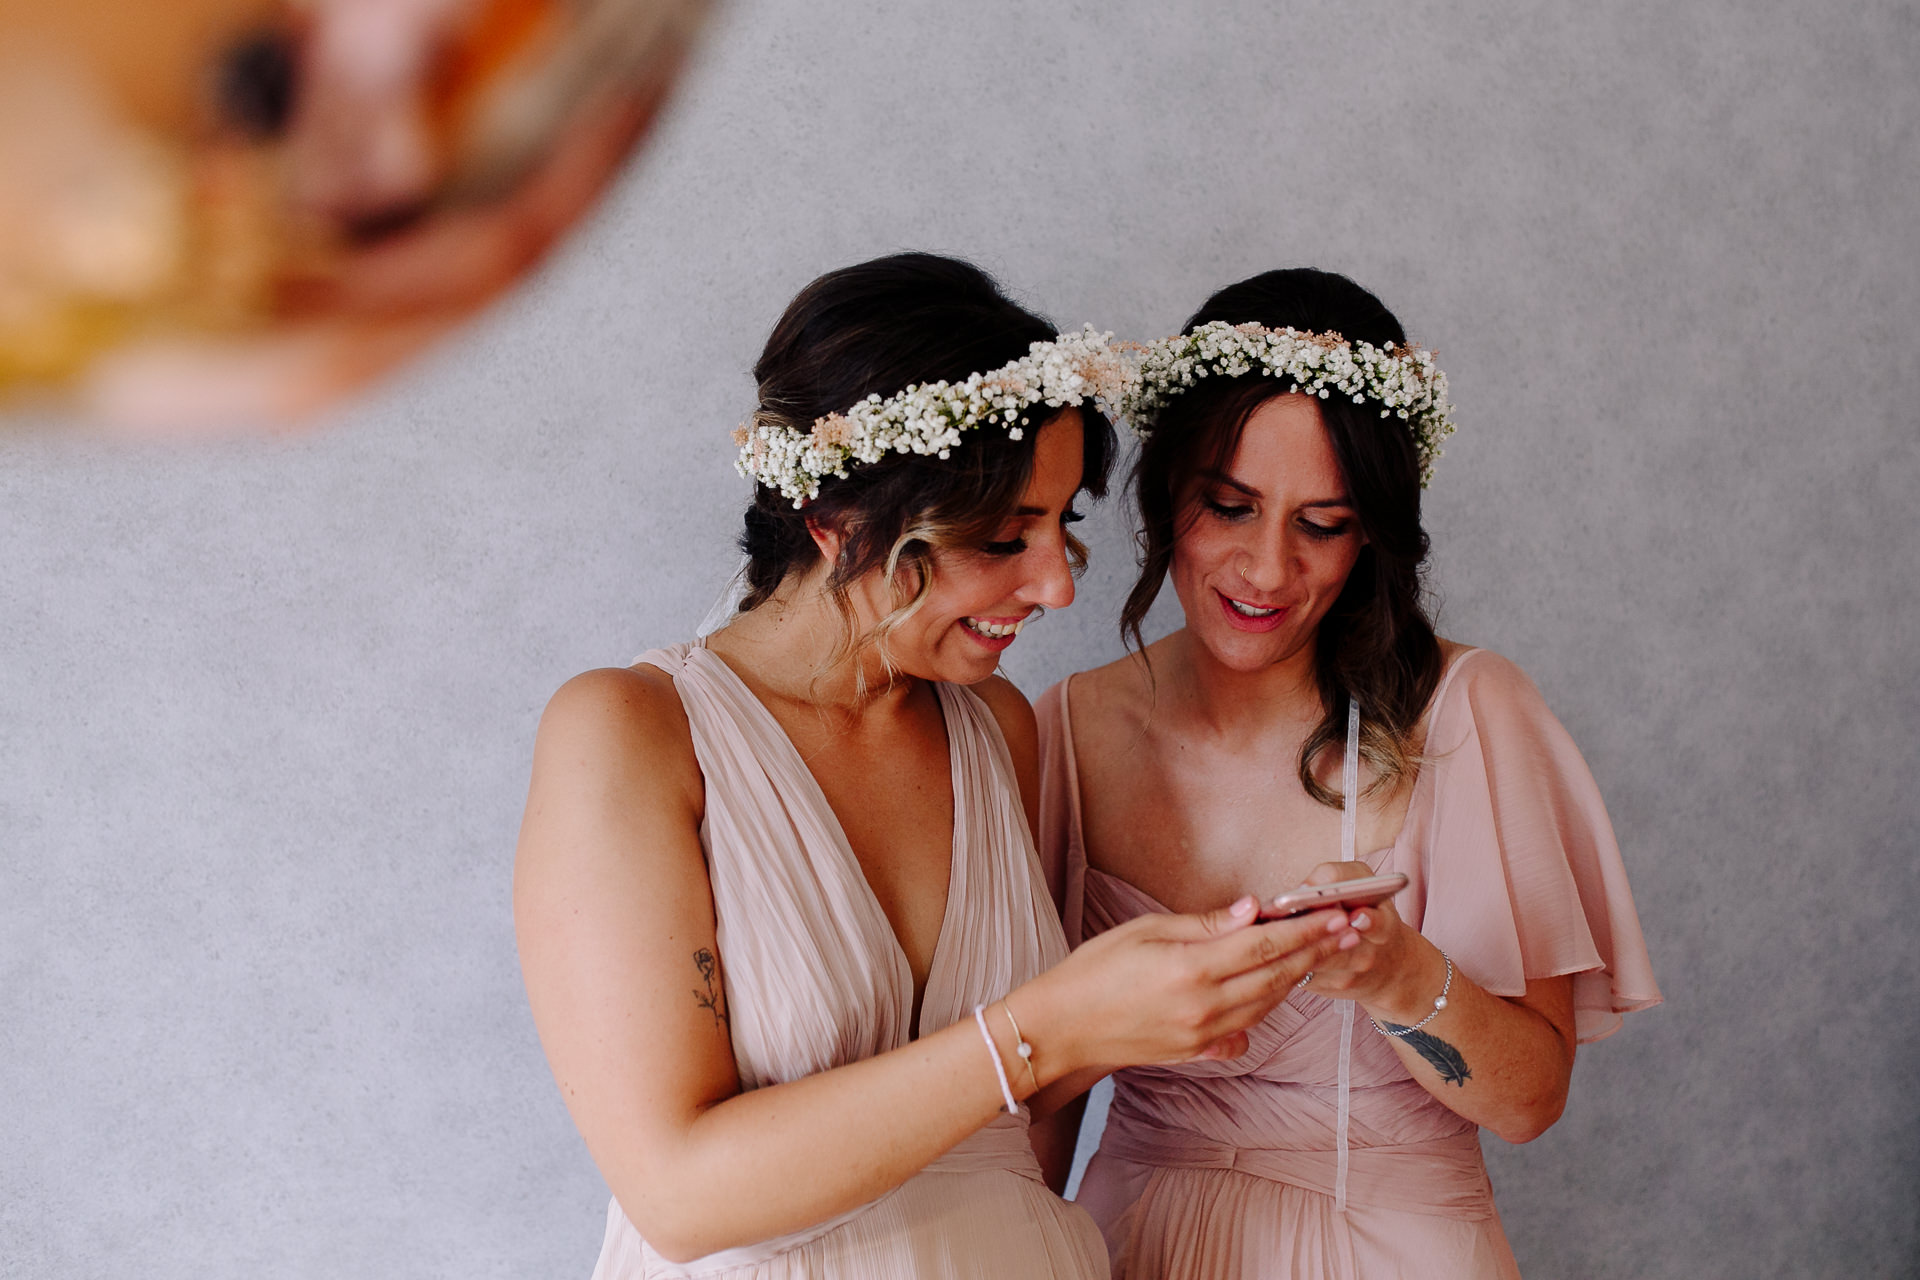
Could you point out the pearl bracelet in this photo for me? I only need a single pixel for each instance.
(1439, 1003)
(1022, 1046)
(993, 1051)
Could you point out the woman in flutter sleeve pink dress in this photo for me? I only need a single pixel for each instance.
(783, 926)
(1307, 725)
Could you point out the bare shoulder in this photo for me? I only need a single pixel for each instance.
(1013, 713)
(614, 744)
(613, 698)
(610, 712)
(1116, 697)
(1004, 699)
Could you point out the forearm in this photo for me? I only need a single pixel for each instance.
(778, 1159)
(1496, 1061)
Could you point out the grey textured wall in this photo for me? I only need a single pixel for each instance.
(266, 708)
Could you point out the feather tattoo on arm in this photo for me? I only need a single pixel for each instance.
(1441, 1056)
(714, 996)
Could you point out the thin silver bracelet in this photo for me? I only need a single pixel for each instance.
(1439, 1003)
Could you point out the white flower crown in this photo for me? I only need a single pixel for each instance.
(1402, 380)
(929, 418)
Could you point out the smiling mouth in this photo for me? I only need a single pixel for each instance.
(993, 630)
(1249, 611)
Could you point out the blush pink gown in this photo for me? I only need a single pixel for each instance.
(1315, 1154)
(815, 979)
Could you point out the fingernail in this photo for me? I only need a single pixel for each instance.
(1338, 923)
(1349, 942)
(1244, 907)
(1363, 921)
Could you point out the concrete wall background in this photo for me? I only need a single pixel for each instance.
(266, 707)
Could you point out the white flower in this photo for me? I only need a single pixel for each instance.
(929, 418)
(1404, 383)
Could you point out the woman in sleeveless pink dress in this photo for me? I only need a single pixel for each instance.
(783, 926)
(1305, 724)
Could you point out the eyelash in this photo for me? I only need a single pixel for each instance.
(1318, 532)
(1014, 546)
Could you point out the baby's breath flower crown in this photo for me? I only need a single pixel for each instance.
(931, 417)
(1402, 380)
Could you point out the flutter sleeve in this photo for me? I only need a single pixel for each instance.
(1522, 875)
(1063, 857)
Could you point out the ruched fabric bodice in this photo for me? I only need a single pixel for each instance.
(815, 979)
(1233, 1170)
(1274, 1110)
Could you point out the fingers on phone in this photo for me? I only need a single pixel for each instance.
(1291, 938)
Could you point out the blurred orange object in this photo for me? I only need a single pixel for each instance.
(222, 213)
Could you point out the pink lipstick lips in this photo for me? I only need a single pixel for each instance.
(1243, 616)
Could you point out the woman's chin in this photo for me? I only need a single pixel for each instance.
(961, 660)
(1245, 652)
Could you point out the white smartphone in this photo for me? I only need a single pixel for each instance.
(1370, 892)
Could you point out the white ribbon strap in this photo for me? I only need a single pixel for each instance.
(1349, 822)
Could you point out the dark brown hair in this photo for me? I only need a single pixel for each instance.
(878, 328)
(1376, 645)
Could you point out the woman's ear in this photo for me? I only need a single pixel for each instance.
(827, 539)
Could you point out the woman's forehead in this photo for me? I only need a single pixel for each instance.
(1058, 463)
(1285, 447)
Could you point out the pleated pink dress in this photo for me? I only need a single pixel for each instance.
(816, 979)
(1316, 1154)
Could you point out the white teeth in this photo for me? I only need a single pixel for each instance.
(1248, 611)
(995, 630)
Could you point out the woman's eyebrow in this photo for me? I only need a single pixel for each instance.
(1220, 477)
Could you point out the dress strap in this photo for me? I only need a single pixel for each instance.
(671, 659)
(1350, 783)
(1349, 825)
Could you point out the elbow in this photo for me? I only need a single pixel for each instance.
(1533, 1119)
(1536, 1109)
(673, 1237)
(675, 1250)
(669, 1223)
(1518, 1133)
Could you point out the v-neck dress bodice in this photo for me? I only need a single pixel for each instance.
(815, 979)
(1316, 1153)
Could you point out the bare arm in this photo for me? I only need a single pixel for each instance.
(1504, 1063)
(615, 920)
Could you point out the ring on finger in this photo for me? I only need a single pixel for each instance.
(1304, 981)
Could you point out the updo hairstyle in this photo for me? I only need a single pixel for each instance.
(1376, 644)
(880, 327)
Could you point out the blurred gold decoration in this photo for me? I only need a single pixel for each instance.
(228, 212)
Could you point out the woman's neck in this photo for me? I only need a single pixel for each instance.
(795, 647)
(1234, 704)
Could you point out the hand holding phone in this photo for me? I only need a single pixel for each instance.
(1346, 894)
